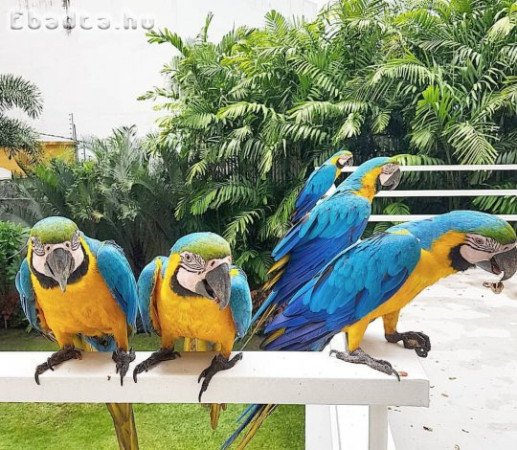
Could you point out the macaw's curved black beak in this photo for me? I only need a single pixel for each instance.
(218, 284)
(59, 265)
(390, 180)
(505, 263)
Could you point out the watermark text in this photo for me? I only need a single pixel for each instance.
(31, 20)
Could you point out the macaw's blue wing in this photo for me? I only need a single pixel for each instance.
(24, 287)
(240, 301)
(314, 189)
(354, 284)
(146, 293)
(331, 227)
(117, 273)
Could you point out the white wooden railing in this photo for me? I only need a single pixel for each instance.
(304, 378)
(444, 192)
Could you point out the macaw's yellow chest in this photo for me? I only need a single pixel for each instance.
(195, 318)
(87, 307)
(431, 268)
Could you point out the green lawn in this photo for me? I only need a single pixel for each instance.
(175, 427)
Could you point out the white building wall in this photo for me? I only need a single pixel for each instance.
(98, 74)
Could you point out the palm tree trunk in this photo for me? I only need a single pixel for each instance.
(124, 422)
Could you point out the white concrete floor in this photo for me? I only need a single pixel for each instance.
(472, 367)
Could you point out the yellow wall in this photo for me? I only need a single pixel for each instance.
(49, 150)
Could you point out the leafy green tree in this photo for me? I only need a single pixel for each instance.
(15, 92)
(455, 81)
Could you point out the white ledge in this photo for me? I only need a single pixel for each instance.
(406, 218)
(261, 377)
(450, 168)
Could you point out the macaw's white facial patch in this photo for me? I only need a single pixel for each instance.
(479, 248)
(345, 161)
(41, 251)
(390, 176)
(192, 272)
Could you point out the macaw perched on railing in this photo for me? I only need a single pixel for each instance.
(320, 182)
(195, 293)
(376, 278)
(329, 228)
(81, 293)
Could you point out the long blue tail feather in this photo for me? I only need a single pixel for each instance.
(245, 419)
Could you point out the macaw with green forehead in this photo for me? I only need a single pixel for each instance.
(320, 183)
(81, 293)
(376, 278)
(328, 229)
(77, 289)
(195, 293)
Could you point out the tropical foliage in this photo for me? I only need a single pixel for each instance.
(123, 193)
(12, 238)
(15, 92)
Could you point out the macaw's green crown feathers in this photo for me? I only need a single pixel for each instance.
(54, 230)
(207, 245)
(474, 222)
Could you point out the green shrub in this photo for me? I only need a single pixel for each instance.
(12, 238)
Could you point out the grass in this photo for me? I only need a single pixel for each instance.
(88, 426)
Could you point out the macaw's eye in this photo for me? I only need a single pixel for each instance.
(479, 240)
(67, 244)
(47, 248)
(75, 242)
(37, 247)
(192, 262)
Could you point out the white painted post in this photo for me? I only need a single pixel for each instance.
(377, 427)
(318, 424)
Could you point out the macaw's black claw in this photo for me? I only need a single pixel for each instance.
(122, 360)
(359, 356)
(416, 340)
(67, 353)
(219, 362)
(164, 354)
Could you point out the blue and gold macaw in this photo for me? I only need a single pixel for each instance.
(328, 229)
(74, 289)
(195, 293)
(320, 182)
(376, 278)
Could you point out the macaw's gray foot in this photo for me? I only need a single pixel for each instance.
(218, 363)
(67, 353)
(122, 360)
(412, 339)
(164, 354)
(360, 357)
